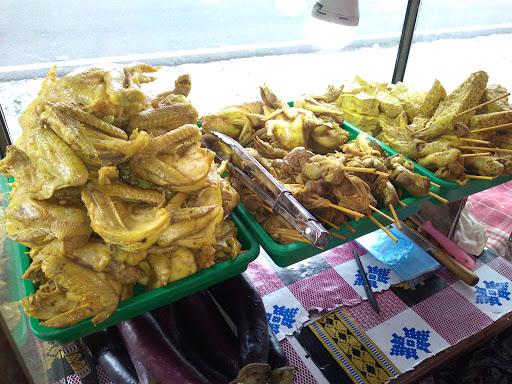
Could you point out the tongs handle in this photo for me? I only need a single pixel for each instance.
(289, 207)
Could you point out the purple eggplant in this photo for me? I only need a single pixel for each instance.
(106, 346)
(147, 343)
(178, 333)
(203, 324)
(238, 297)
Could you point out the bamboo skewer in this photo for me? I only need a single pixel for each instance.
(435, 184)
(486, 149)
(350, 228)
(482, 105)
(395, 216)
(378, 224)
(381, 213)
(324, 220)
(474, 140)
(463, 156)
(480, 177)
(359, 169)
(337, 235)
(350, 212)
(500, 126)
(436, 196)
(402, 203)
(267, 208)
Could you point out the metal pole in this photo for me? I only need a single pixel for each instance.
(411, 15)
(5, 139)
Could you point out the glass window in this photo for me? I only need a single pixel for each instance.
(453, 39)
(229, 49)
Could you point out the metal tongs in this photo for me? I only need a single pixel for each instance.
(252, 174)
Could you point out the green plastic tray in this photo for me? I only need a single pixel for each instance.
(286, 254)
(15, 266)
(143, 301)
(450, 190)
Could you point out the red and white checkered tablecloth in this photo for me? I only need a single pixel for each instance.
(493, 207)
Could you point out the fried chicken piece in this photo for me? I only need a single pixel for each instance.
(182, 86)
(355, 194)
(128, 221)
(95, 255)
(404, 176)
(173, 112)
(95, 141)
(37, 222)
(484, 165)
(293, 163)
(170, 265)
(384, 191)
(175, 160)
(193, 226)
(232, 121)
(440, 159)
(106, 91)
(87, 294)
(331, 94)
(328, 169)
(268, 150)
(321, 109)
(325, 136)
(41, 162)
(230, 196)
(451, 171)
(226, 244)
(287, 134)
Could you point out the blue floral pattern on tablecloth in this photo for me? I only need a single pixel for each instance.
(410, 343)
(281, 316)
(492, 292)
(375, 276)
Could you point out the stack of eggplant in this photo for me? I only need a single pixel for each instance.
(215, 336)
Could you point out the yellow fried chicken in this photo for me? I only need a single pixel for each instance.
(125, 215)
(37, 222)
(193, 225)
(87, 294)
(175, 160)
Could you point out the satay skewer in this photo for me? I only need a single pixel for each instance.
(435, 184)
(474, 140)
(436, 196)
(500, 126)
(349, 227)
(337, 235)
(465, 155)
(482, 105)
(486, 149)
(395, 216)
(402, 203)
(350, 212)
(374, 209)
(328, 222)
(378, 224)
(480, 177)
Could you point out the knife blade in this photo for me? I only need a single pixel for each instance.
(366, 284)
(252, 174)
(458, 269)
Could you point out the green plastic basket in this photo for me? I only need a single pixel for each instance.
(14, 267)
(286, 254)
(143, 301)
(450, 190)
